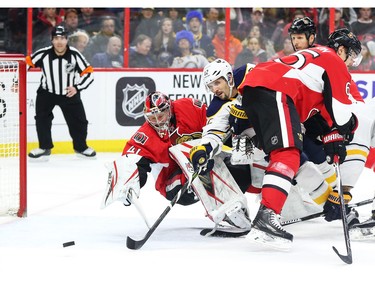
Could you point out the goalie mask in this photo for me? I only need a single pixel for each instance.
(158, 112)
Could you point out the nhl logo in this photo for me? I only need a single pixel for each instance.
(274, 140)
(69, 67)
(134, 97)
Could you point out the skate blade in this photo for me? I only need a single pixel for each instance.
(358, 234)
(270, 241)
(41, 159)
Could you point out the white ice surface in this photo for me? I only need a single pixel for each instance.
(64, 197)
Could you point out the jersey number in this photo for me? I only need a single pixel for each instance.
(298, 59)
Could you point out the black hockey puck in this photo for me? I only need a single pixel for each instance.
(67, 244)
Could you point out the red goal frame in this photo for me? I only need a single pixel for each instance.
(22, 211)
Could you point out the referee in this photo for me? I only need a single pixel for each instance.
(65, 73)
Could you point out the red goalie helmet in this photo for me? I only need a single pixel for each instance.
(158, 111)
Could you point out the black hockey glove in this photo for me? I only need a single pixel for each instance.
(334, 146)
(347, 130)
(199, 157)
(332, 209)
(316, 126)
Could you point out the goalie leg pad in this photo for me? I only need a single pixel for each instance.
(298, 204)
(311, 181)
(308, 195)
(218, 191)
(329, 174)
(221, 196)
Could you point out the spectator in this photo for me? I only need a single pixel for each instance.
(71, 21)
(47, 19)
(253, 53)
(364, 24)
(98, 43)
(324, 24)
(368, 58)
(112, 57)
(187, 59)
(16, 26)
(256, 19)
(298, 14)
(79, 40)
(287, 50)
(349, 15)
(202, 43)
(211, 22)
(149, 24)
(164, 40)
(140, 55)
(88, 21)
(280, 19)
(61, 85)
(235, 46)
(174, 15)
(164, 59)
(264, 42)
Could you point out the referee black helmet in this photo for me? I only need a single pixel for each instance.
(59, 31)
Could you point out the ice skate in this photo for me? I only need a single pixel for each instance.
(267, 230)
(39, 155)
(87, 153)
(364, 230)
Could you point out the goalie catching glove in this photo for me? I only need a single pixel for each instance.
(200, 158)
(332, 209)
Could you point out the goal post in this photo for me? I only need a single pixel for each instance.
(13, 132)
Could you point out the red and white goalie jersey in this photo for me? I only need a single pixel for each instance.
(317, 80)
(188, 119)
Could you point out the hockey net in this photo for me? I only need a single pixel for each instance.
(13, 135)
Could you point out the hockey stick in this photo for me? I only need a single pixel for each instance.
(348, 258)
(321, 214)
(137, 244)
(135, 201)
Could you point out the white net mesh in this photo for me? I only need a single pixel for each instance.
(9, 138)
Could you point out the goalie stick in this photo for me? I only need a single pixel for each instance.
(135, 201)
(137, 244)
(348, 258)
(210, 232)
(321, 214)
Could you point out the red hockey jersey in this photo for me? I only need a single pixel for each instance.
(188, 119)
(317, 79)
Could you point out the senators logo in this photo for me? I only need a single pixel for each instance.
(177, 138)
(140, 137)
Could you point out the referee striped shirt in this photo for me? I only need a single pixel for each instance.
(59, 72)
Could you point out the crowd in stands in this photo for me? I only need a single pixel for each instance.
(183, 37)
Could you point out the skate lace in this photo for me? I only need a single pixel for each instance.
(275, 221)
